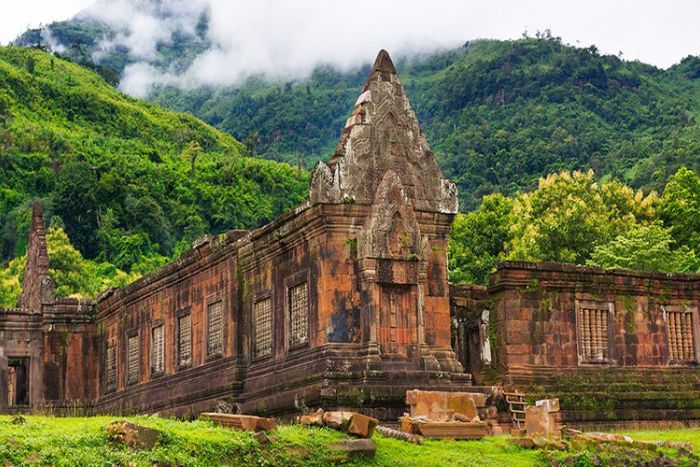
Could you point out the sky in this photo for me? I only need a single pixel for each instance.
(287, 38)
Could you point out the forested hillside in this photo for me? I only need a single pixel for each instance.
(502, 116)
(499, 114)
(131, 184)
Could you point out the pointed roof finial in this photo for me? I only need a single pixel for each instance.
(383, 63)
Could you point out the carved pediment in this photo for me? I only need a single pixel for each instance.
(392, 230)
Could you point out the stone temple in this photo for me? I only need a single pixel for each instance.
(344, 302)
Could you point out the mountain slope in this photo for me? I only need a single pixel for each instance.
(130, 181)
(499, 114)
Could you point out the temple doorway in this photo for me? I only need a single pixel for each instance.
(395, 330)
(18, 382)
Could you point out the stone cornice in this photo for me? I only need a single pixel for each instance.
(590, 279)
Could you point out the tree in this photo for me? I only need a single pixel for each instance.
(679, 208)
(76, 203)
(5, 109)
(570, 214)
(647, 247)
(31, 64)
(191, 152)
(251, 143)
(478, 238)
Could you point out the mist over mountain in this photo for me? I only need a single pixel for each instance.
(499, 114)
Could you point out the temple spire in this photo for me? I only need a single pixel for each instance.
(37, 286)
(383, 135)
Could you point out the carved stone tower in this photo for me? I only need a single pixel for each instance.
(37, 286)
(383, 161)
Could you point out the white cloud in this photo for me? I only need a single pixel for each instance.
(287, 38)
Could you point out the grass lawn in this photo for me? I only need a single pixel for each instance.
(690, 435)
(84, 442)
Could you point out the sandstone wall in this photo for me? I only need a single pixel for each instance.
(547, 317)
(202, 276)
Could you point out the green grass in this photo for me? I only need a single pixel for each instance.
(84, 442)
(690, 435)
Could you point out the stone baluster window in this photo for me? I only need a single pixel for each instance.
(262, 327)
(184, 340)
(215, 328)
(111, 367)
(298, 303)
(133, 353)
(593, 322)
(158, 349)
(679, 331)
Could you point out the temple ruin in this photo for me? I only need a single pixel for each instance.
(344, 302)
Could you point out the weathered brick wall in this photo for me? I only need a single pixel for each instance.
(21, 337)
(347, 333)
(201, 277)
(69, 355)
(545, 316)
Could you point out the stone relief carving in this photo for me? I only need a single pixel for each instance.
(392, 230)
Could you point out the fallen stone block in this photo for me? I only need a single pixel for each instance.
(540, 422)
(604, 437)
(240, 422)
(549, 405)
(131, 435)
(496, 428)
(355, 447)
(337, 419)
(454, 430)
(570, 433)
(441, 405)
(315, 418)
(362, 425)
(408, 425)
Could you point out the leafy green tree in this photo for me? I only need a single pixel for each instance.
(10, 282)
(646, 247)
(76, 203)
(679, 208)
(478, 238)
(75, 275)
(570, 214)
(31, 64)
(191, 152)
(251, 142)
